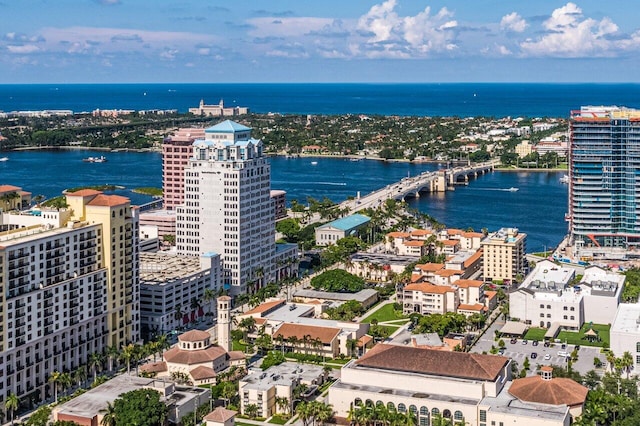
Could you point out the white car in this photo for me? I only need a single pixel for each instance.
(547, 356)
(563, 353)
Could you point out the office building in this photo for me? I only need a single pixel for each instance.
(625, 333)
(228, 208)
(503, 255)
(69, 285)
(603, 189)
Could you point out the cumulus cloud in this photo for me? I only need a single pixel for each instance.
(389, 34)
(23, 49)
(108, 2)
(569, 34)
(513, 22)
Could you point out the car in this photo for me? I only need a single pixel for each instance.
(564, 346)
(534, 355)
(501, 351)
(535, 343)
(514, 340)
(563, 353)
(547, 356)
(524, 342)
(547, 344)
(577, 348)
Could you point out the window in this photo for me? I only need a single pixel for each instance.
(573, 309)
(458, 416)
(564, 317)
(391, 406)
(637, 346)
(424, 411)
(435, 412)
(565, 308)
(402, 408)
(483, 415)
(548, 306)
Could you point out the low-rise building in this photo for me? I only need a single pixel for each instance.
(377, 266)
(263, 387)
(625, 333)
(367, 297)
(221, 417)
(331, 232)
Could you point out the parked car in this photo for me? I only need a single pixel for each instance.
(535, 343)
(547, 343)
(534, 355)
(501, 351)
(547, 356)
(563, 353)
(524, 342)
(514, 340)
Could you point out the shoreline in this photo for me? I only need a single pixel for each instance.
(524, 169)
(81, 148)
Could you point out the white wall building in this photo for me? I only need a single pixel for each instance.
(625, 333)
(228, 208)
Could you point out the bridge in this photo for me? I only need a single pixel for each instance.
(426, 182)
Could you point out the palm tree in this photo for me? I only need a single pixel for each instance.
(283, 403)
(128, 353)
(229, 390)
(112, 353)
(12, 403)
(65, 381)
(95, 363)
(195, 305)
(109, 418)
(162, 344)
(80, 375)
(352, 344)
(626, 362)
(251, 410)
(54, 378)
(208, 297)
(303, 411)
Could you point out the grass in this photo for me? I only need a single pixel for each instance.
(147, 190)
(277, 419)
(237, 346)
(243, 424)
(385, 313)
(574, 337)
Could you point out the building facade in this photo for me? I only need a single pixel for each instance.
(176, 151)
(228, 209)
(603, 189)
(503, 255)
(69, 285)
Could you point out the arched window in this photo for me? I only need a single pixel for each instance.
(458, 416)
(358, 402)
(446, 414)
(424, 411)
(379, 404)
(413, 409)
(391, 406)
(368, 403)
(435, 412)
(541, 323)
(424, 421)
(402, 408)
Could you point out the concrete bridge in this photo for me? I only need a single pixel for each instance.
(426, 182)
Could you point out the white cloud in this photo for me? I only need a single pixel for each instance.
(513, 22)
(286, 27)
(570, 34)
(23, 49)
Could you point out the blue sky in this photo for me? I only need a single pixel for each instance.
(192, 41)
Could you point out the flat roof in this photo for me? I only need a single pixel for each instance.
(285, 374)
(383, 258)
(162, 267)
(627, 318)
(506, 403)
(361, 296)
(347, 223)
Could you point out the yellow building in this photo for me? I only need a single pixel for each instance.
(503, 255)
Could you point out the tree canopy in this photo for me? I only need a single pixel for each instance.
(140, 407)
(337, 280)
(442, 324)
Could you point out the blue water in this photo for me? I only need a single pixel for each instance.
(450, 99)
(537, 208)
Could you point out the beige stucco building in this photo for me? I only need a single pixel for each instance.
(504, 255)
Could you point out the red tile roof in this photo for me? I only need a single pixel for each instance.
(8, 188)
(202, 372)
(194, 336)
(398, 234)
(468, 283)
(414, 243)
(189, 357)
(325, 334)
(263, 307)
(472, 259)
(220, 415)
(83, 193)
(430, 267)
(475, 307)
(426, 361)
(108, 201)
(557, 391)
(429, 288)
(154, 367)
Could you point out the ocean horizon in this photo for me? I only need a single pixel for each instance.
(403, 99)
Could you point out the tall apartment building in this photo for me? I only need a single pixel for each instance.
(68, 288)
(228, 209)
(603, 189)
(503, 255)
(176, 151)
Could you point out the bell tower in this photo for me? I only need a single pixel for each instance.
(224, 322)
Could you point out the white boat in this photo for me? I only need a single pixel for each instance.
(101, 159)
(512, 189)
(355, 159)
(564, 179)
(4, 158)
(314, 163)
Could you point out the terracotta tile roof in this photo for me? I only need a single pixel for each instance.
(325, 334)
(468, 283)
(490, 294)
(154, 367)
(429, 288)
(472, 234)
(426, 361)
(448, 272)
(264, 307)
(84, 193)
(414, 243)
(224, 298)
(450, 242)
(220, 415)
(7, 188)
(194, 336)
(421, 232)
(472, 259)
(557, 391)
(364, 340)
(453, 231)
(202, 372)
(398, 234)
(260, 321)
(416, 277)
(477, 307)
(430, 267)
(236, 355)
(108, 201)
(181, 356)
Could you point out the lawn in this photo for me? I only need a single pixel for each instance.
(577, 337)
(535, 334)
(385, 313)
(277, 419)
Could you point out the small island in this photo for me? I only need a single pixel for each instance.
(151, 191)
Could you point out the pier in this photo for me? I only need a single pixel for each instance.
(427, 182)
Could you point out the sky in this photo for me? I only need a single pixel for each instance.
(211, 41)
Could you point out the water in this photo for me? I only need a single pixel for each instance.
(537, 208)
(450, 99)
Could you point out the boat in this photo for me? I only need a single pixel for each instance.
(512, 189)
(101, 159)
(564, 179)
(4, 158)
(314, 163)
(355, 159)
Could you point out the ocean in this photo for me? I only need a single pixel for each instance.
(424, 99)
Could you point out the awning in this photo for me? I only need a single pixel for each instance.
(514, 328)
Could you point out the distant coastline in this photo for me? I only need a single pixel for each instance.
(81, 148)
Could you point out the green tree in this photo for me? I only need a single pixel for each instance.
(11, 404)
(272, 358)
(141, 407)
(337, 280)
(54, 379)
(290, 228)
(109, 416)
(251, 410)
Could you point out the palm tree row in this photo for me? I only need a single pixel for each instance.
(314, 412)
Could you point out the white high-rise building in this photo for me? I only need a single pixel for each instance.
(227, 207)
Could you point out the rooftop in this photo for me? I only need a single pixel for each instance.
(627, 318)
(227, 126)
(556, 391)
(506, 403)
(162, 268)
(220, 415)
(324, 334)
(285, 374)
(360, 296)
(347, 223)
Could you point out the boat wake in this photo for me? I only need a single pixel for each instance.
(332, 183)
(512, 189)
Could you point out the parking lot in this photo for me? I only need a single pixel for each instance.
(519, 351)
